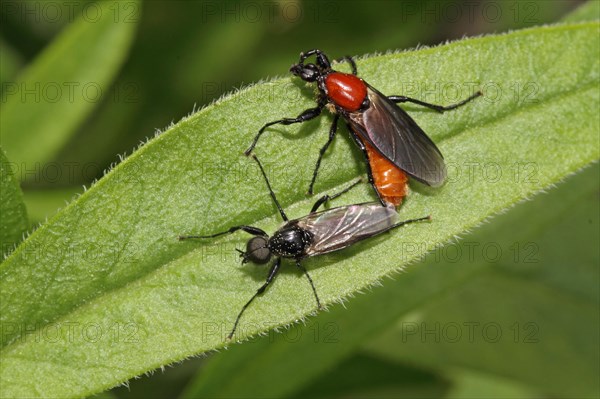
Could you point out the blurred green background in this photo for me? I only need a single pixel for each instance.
(188, 53)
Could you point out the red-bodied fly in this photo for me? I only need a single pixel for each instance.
(394, 146)
(317, 233)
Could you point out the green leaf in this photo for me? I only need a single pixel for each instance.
(480, 386)
(44, 106)
(14, 221)
(366, 376)
(10, 62)
(104, 291)
(589, 11)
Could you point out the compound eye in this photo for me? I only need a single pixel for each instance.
(308, 72)
(257, 250)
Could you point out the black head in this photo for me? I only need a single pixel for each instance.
(257, 251)
(291, 241)
(308, 72)
(311, 72)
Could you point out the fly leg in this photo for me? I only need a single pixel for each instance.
(332, 132)
(272, 274)
(310, 281)
(438, 108)
(328, 197)
(307, 115)
(281, 212)
(394, 226)
(322, 59)
(255, 231)
(350, 61)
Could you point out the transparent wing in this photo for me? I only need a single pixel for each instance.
(398, 138)
(338, 228)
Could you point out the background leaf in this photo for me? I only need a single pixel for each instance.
(122, 296)
(589, 11)
(14, 215)
(54, 95)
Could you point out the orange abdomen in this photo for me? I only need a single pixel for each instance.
(390, 181)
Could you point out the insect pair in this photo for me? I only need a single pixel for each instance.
(394, 147)
(317, 233)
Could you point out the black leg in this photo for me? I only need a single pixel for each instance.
(360, 145)
(322, 59)
(405, 222)
(281, 212)
(327, 197)
(307, 115)
(439, 108)
(310, 281)
(350, 60)
(272, 274)
(248, 229)
(332, 132)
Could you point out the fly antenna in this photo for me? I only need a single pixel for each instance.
(246, 255)
(281, 212)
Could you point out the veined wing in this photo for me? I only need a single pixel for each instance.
(392, 132)
(338, 228)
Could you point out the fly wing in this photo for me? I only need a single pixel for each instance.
(338, 228)
(398, 138)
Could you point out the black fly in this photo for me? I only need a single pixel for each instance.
(315, 234)
(393, 145)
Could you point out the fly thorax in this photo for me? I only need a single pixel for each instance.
(345, 90)
(290, 241)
